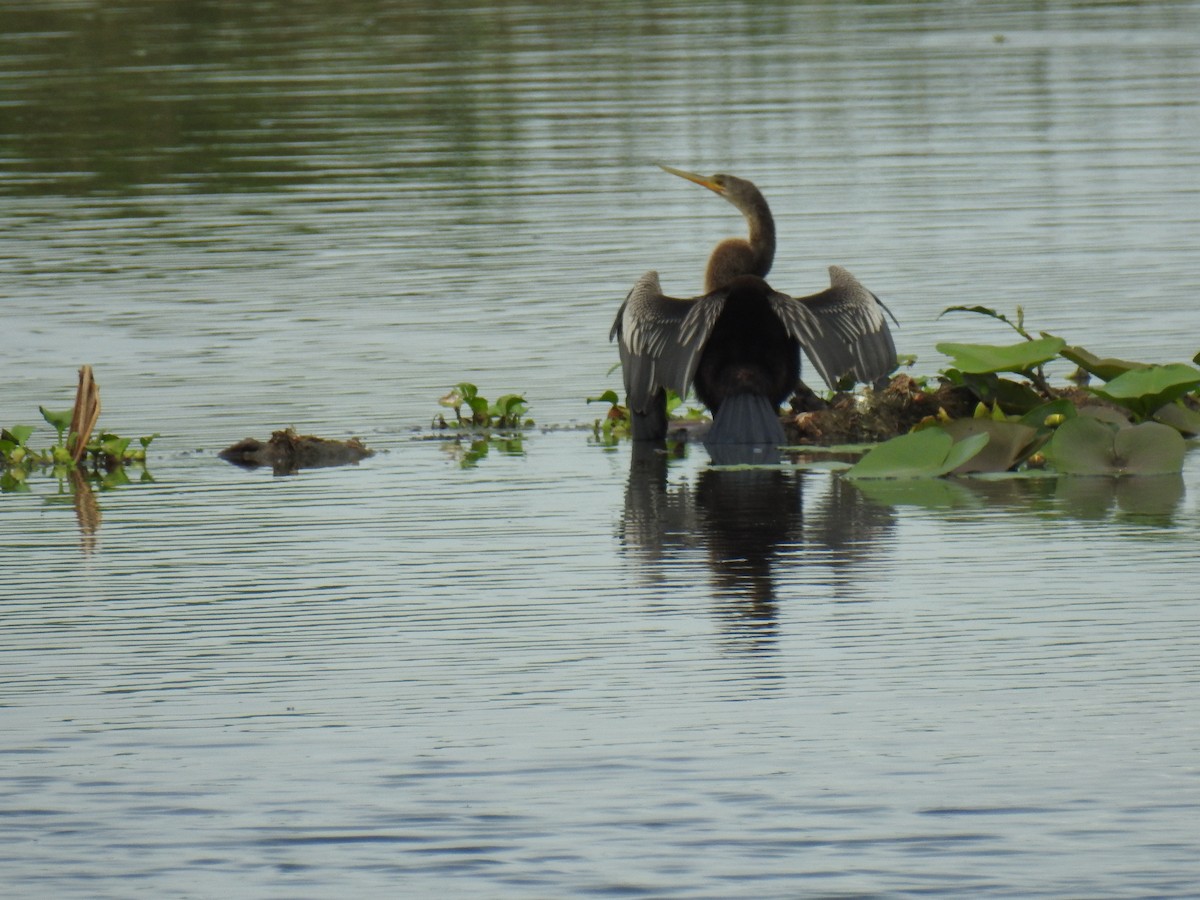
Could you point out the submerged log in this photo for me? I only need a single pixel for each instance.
(287, 452)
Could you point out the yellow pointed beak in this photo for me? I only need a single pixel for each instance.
(698, 179)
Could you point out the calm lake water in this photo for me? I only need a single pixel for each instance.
(561, 669)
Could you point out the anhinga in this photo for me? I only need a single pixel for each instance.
(738, 344)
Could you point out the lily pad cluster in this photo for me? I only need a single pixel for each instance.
(1135, 423)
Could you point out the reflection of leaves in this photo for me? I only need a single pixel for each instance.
(921, 454)
(1087, 446)
(1140, 495)
(1145, 390)
(12, 481)
(1020, 357)
(930, 493)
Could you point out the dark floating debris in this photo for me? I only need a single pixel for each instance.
(287, 452)
(872, 417)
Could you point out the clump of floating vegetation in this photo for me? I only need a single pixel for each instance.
(480, 426)
(1134, 424)
(473, 412)
(79, 450)
(616, 422)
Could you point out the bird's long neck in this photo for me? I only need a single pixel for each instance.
(737, 256)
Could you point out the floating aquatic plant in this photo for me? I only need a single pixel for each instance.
(76, 445)
(1088, 446)
(1023, 357)
(1145, 390)
(928, 453)
(505, 413)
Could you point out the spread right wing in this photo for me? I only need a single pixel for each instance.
(648, 331)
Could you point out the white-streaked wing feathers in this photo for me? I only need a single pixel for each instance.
(856, 335)
(647, 329)
(842, 330)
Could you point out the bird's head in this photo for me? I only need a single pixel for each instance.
(738, 191)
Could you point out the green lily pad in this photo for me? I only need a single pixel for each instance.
(1087, 446)
(1019, 357)
(1146, 390)
(921, 454)
(1008, 443)
(991, 389)
(1106, 368)
(1182, 418)
(1116, 417)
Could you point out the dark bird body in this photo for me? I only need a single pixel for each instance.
(738, 345)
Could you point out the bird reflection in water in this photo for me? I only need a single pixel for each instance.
(751, 525)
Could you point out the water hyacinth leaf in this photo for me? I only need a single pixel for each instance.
(114, 446)
(1146, 390)
(920, 454)
(479, 408)
(1020, 357)
(18, 434)
(1106, 368)
(609, 396)
(509, 406)
(60, 420)
(1008, 443)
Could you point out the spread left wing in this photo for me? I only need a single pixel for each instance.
(855, 336)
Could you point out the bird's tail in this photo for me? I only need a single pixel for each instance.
(746, 419)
